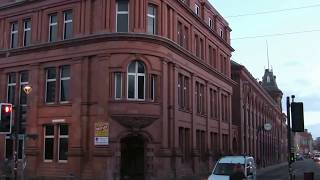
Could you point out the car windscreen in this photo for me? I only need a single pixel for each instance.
(225, 169)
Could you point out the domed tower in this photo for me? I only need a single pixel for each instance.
(269, 83)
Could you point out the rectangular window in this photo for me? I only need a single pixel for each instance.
(183, 92)
(181, 142)
(216, 143)
(122, 16)
(185, 37)
(48, 143)
(14, 35)
(26, 32)
(197, 97)
(131, 86)
(23, 83)
(197, 46)
(211, 103)
(197, 9)
(152, 19)
(63, 143)
(11, 88)
(53, 27)
(215, 104)
(50, 85)
(8, 148)
(214, 60)
(201, 49)
(67, 25)
(180, 34)
(118, 85)
(201, 99)
(20, 146)
(65, 83)
(210, 55)
(180, 77)
(153, 87)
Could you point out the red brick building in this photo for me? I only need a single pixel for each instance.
(255, 104)
(156, 72)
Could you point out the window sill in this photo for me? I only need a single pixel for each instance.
(58, 104)
(133, 101)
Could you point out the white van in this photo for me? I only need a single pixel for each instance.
(225, 166)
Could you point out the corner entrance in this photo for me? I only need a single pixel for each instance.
(132, 158)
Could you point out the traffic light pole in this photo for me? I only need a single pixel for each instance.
(16, 134)
(289, 137)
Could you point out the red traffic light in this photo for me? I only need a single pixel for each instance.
(7, 109)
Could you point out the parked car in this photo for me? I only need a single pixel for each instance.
(316, 157)
(224, 168)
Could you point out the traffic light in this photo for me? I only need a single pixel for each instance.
(5, 118)
(297, 117)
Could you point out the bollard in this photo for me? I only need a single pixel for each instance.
(308, 175)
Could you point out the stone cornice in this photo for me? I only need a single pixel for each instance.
(104, 37)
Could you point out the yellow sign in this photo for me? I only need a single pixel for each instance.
(101, 129)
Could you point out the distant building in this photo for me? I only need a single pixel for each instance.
(303, 142)
(254, 106)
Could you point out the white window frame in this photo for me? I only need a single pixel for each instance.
(52, 24)
(122, 12)
(44, 143)
(59, 137)
(136, 77)
(66, 22)
(210, 23)
(50, 80)
(9, 85)
(153, 16)
(153, 82)
(197, 9)
(13, 32)
(63, 79)
(25, 30)
(115, 85)
(22, 84)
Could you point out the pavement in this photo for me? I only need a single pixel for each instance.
(262, 171)
(300, 170)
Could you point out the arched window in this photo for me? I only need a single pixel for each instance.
(136, 80)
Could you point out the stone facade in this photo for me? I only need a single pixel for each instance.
(176, 116)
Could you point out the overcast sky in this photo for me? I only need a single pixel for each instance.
(292, 30)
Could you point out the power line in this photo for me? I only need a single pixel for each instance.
(276, 34)
(273, 11)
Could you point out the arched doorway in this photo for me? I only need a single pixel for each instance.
(133, 158)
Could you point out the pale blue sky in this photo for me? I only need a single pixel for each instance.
(295, 58)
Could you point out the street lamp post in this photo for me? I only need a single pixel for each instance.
(27, 89)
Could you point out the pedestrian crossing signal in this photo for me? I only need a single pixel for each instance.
(5, 118)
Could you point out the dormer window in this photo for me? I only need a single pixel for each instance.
(221, 33)
(197, 9)
(210, 22)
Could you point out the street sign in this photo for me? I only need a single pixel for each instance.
(101, 134)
